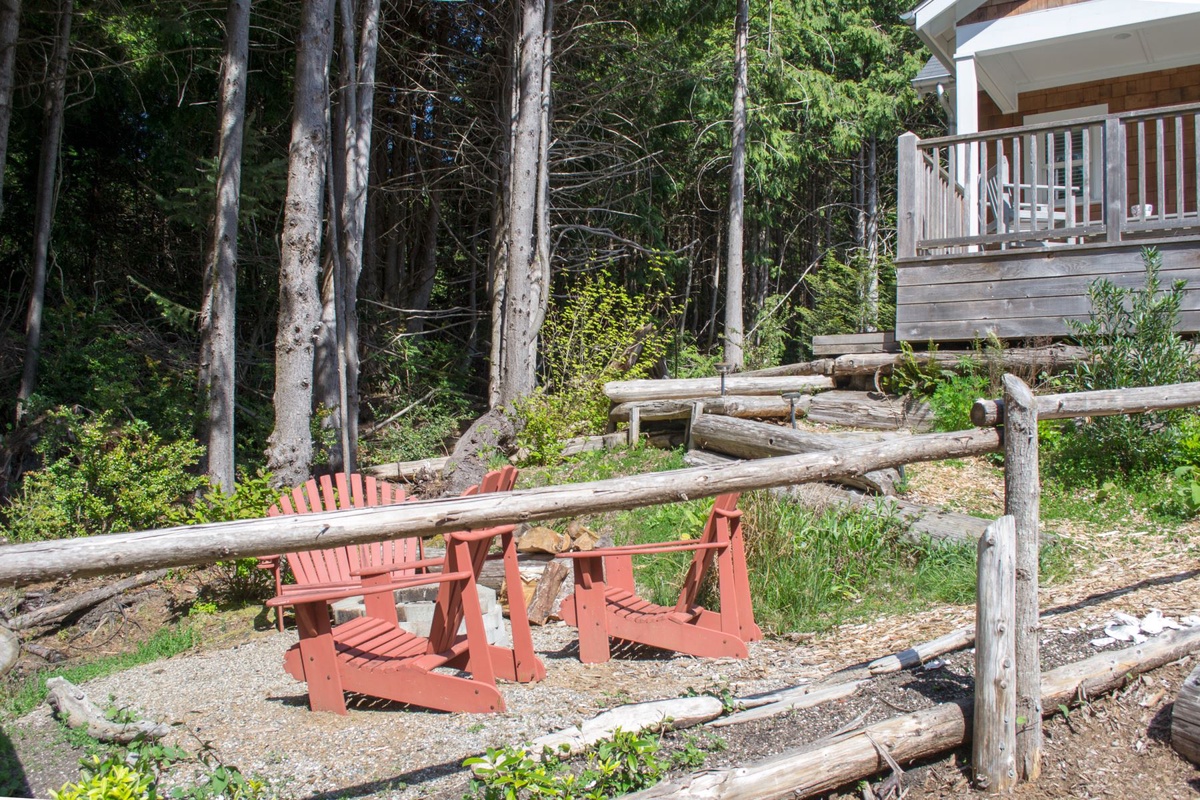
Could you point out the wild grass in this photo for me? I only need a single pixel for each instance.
(809, 570)
(21, 697)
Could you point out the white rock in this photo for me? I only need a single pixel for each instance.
(1154, 623)
(1123, 633)
(1126, 619)
(1190, 621)
(1104, 641)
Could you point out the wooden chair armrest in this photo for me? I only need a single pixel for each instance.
(636, 549)
(326, 595)
(268, 562)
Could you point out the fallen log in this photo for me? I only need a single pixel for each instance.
(542, 604)
(826, 765)
(587, 444)
(1043, 359)
(686, 388)
(1100, 403)
(74, 708)
(818, 366)
(870, 410)
(57, 611)
(746, 439)
(408, 471)
(744, 406)
(675, 714)
(10, 650)
(919, 654)
(923, 522)
(789, 700)
(200, 544)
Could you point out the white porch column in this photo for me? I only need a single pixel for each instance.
(966, 114)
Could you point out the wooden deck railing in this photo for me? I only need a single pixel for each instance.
(1110, 178)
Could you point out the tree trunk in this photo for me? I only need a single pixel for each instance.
(219, 346)
(10, 22)
(871, 236)
(44, 215)
(289, 449)
(418, 301)
(734, 328)
(518, 316)
(354, 208)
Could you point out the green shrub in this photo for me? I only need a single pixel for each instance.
(767, 341)
(839, 298)
(135, 773)
(101, 475)
(951, 401)
(597, 333)
(1130, 339)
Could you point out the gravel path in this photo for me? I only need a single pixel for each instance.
(256, 717)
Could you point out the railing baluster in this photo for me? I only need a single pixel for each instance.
(1049, 180)
(983, 185)
(1085, 140)
(1030, 181)
(1141, 183)
(1160, 165)
(1180, 191)
(1068, 169)
(1015, 183)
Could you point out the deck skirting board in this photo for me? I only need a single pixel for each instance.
(1018, 294)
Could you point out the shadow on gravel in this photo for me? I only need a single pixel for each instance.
(12, 775)
(1094, 599)
(401, 781)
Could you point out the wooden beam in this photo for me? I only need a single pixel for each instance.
(686, 388)
(1100, 403)
(202, 544)
(993, 759)
(744, 406)
(1022, 497)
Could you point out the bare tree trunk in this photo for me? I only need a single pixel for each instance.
(525, 287)
(219, 316)
(734, 326)
(289, 449)
(10, 23)
(44, 216)
(872, 235)
(418, 302)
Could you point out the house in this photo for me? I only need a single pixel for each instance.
(1074, 142)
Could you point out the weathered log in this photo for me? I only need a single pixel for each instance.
(10, 650)
(747, 439)
(74, 708)
(919, 654)
(408, 471)
(993, 749)
(870, 410)
(587, 444)
(819, 366)
(493, 432)
(57, 611)
(1047, 359)
(826, 765)
(200, 544)
(1100, 403)
(542, 604)
(685, 388)
(674, 714)
(1185, 719)
(1022, 500)
(47, 654)
(744, 406)
(790, 700)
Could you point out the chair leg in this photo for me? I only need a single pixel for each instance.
(590, 610)
(521, 662)
(319, 659)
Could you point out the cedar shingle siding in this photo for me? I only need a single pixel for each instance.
(995, 9)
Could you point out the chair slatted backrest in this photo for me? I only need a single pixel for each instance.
(335, 565)
(717, 530)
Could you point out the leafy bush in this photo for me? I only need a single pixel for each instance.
(1130, 339)
(597, 333)
(626, 763)
(840, 302)
(951, 401)
(101, 475)
(767, 341)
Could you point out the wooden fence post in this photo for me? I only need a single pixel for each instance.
(1022, 492)
(993, 747)
(908, 198)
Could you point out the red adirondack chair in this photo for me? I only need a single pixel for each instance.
(605, 603)
(374, 657)
(336, 567)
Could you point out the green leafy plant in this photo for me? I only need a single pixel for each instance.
(917, 376)
(841, 297)
(597, 333)
(1130, 340)
(767, 340)
(101, 475)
